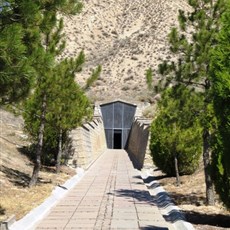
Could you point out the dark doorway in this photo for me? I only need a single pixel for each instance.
(117, 139)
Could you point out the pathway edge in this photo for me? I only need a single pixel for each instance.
(36, 214)
(168, 209)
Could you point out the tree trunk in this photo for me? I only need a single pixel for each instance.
(59, 152)
(210, 198)
(37, 164)
(177, 171)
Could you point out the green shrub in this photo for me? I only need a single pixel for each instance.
(175, 132)
(166, 143)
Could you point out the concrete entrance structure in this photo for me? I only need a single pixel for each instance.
(116, 125)
(118, 117)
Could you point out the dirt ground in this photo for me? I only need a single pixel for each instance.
(16, 169)
(190, 197)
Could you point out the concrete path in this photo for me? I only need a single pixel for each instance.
(111, 195)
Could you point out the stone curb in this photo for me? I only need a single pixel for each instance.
(170, 212)
(4, 225)
(28, 222)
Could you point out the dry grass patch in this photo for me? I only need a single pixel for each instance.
(190, 197)
(18, 199)
(16, 169)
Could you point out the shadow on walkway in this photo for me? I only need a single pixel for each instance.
(150, 227)
(137, 195)
(162, 200)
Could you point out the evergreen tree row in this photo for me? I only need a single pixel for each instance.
(31, 39)
(194, 113)
(220, 74)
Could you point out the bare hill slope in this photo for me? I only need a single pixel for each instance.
(126, 37)
(16, 169)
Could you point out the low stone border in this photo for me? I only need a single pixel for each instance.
(170, 212)
(28, 221)
(4, 225)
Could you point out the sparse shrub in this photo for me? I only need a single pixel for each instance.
(149, 112)
(125, 88)
(129, 78)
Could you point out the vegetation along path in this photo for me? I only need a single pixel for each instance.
(110, 196)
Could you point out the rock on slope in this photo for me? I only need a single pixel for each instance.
(126, 37)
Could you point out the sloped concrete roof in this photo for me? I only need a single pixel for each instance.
(118, 100)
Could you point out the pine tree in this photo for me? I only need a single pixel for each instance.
(68, 105)
(176, 134)
(23, 24)
(36, 107)
(16, 70)
(50, 43)
(30, 39)
(220, 75)
(192, 42)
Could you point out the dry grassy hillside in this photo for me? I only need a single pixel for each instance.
(16, 169)
(125, 37)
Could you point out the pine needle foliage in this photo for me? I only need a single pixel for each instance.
(94, 76)
(220, 72)
(57, 103)
(192, 43)
(176, 132)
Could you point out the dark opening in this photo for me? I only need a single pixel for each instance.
(117, 139)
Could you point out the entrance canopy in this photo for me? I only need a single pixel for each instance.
(118, 118)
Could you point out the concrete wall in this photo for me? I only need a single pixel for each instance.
(88, 143)
(138, 144)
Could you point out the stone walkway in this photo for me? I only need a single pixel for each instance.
(111, 195)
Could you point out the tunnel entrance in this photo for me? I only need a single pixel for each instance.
(117, 139)
(117, 117)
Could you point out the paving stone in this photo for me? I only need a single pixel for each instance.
(78, 222)
(154, 225)
(87, 209)
(147, 210)
(52, 225)
(124, 224)
(150, 216)
(49, 227)
(85, 215)
(111, 195)
(124, 210)
(125, 216)
(59, 215)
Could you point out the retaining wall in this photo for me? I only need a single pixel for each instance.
(138, 143)
(88, 143)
